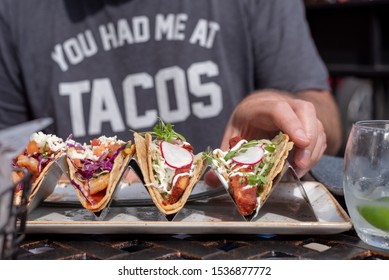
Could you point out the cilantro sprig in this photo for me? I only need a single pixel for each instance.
(45, 151)
(165, 132)
(209, 157)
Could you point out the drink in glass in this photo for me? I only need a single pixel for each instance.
(366, 181)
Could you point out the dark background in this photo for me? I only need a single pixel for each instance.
(352, 37)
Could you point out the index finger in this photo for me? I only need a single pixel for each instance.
(285, 119)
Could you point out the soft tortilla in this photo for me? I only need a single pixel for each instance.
(119, 165)
(144, 159)
(281, 153)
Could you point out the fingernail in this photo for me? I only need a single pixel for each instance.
(300, 134)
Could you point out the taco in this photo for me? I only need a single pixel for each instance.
(249, 168)
(96, 168)
(169, 166)
(40, 153)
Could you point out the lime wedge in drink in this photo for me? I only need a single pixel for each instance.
(376, 214)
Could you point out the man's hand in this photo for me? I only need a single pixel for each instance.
(263, 114)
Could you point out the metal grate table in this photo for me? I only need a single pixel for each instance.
(212, 247)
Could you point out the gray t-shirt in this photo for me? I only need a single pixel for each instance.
(108, 67)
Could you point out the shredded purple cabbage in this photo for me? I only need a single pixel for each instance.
(42, 162)
(81, 191)
(77, 146)
(90, 168)
(122, 147)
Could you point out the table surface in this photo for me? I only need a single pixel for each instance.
(212, 247)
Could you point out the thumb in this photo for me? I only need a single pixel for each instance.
(298, 137)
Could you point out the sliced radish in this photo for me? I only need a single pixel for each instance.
(249, 156)
(175, 156)
(178, 141)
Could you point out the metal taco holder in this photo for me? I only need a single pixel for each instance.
(135, 167)
(100, 215)
(49, 181)
(288, 174)
(47, 189)
(60, 166)
(135, 202)
(48, 184)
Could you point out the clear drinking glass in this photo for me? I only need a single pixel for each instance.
(366, 181)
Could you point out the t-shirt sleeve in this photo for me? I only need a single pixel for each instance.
(285, 55)
(13, 107)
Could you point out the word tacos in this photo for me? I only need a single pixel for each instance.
(95, 169)
(40, 153)
(169, 167)
(249, 168)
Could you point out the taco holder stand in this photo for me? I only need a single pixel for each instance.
(287, 174)
(60, 167)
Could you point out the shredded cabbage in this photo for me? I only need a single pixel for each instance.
(104, 164)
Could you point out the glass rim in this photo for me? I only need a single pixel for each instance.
(381, 125)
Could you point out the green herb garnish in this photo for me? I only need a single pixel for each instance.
(208, 157)
(259, 190)
(229, 155)
(270, 148)
(45, 151)
(269, 167)
(257, 180)
(100, 173)
(165, 132)
(242, 149)
(280, 137)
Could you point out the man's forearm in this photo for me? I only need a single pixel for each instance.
(328, 113)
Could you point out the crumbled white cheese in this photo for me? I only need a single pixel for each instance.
(87, 153)
(109, 140)
(54, 143)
